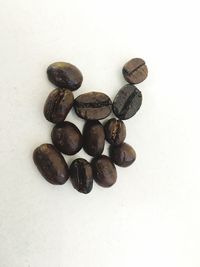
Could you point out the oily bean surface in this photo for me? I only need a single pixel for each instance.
(58, 105)
(115, 131)
(127, 102)
(67, 138)
(135, 71)
(51, 164)
(123, 155)
(81, 175)
(104, 171)
(93, 106)
(65, 75)
(93, 138)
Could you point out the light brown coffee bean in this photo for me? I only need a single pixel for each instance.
(135, 71)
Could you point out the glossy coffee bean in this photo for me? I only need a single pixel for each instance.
(93, 106)
(123, 155)
(104, 171)
(115, 131)
(67, 138)
(65, 75)
(81, 175)
(127, 102)
(51, 164)
(135, 71)
(58, 105)
(93, 138)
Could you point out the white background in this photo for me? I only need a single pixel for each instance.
(151, 216)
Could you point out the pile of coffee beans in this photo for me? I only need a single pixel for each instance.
(92, 107)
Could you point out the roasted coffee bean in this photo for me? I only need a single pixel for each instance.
(115, 131)
(65, 75)
(67, 138)
(51, 164)
(104, 171)
(123, 155)
(93, 106)
(127, 102)
(58, 105)
(135, 71)
(93, 138)
(81, 175)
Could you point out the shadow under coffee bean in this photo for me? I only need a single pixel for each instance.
(91, 107)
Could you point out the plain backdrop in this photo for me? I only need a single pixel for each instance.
(150, 217)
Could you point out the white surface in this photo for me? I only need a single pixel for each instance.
(151, 216)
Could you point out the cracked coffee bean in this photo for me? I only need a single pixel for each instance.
(93, 106)
(127, 102)
(67, 138)
(104, 171)
(58, 105)
(51, 164)
(123, 155)
(81, 175)
(115, 131)
(65, 75)
(93, 138)
(135, 71)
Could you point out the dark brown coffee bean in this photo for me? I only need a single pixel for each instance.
(135, 71)
(93, 106)
(67, 138)
(104, 171)
(123, 155)
(127, 102)
(93, 138)
(115, 131)
(81, 175)
(65, 75)
(58, 105)
(51, 164)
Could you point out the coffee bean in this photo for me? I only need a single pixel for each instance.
(115, 131)
(51, 164)
(81, 175)
(58, 105)
(127, 102)
(93, 138)
(104, 171)
(93, 106)
(67, 138)
(123, 155)
(65, 75)
(135, 71)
